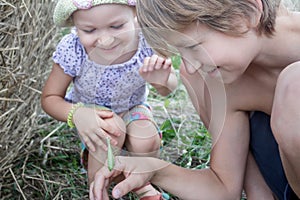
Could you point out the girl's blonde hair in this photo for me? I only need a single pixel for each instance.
(227, 16)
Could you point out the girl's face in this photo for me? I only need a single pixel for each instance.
(213, 53)
(107, 32)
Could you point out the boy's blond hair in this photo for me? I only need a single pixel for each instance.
(227, 16)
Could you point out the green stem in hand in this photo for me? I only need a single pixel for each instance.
(110, 155)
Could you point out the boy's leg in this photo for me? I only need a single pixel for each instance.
(254, 184)
(285, 122)
(264, 149)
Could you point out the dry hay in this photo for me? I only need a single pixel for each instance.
(27, 42)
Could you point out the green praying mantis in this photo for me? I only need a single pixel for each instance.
(110, 155)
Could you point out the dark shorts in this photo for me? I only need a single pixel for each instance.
(266, 154)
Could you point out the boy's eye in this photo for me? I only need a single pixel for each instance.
(117, 26)
(192, 46)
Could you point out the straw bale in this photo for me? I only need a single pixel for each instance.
(27, 40)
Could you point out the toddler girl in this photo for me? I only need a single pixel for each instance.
(101, 57)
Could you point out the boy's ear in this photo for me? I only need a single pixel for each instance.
(259, 5)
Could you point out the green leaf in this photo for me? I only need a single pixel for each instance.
(176, 61)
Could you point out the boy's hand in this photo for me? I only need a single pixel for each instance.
(137, 171)
(93, 128)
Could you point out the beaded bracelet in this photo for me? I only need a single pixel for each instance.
(71, 113)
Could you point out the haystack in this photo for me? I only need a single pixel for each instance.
(28, 38)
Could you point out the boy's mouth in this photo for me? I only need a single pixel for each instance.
(211, 70)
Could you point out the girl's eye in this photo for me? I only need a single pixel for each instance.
(117, 26)
(89, 30)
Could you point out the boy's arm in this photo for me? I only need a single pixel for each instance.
(254, 183)
(223, 180)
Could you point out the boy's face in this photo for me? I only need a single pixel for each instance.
(213, 53)
(107, 32)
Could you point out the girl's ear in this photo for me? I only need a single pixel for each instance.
(136, 24)
(135, 18)
(134, 11)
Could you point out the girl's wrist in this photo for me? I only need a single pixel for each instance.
(71, 114)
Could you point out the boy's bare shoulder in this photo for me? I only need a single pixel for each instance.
(252, 92)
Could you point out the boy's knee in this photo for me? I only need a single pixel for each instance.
(282, 130)
(288, 80)
(285, 106)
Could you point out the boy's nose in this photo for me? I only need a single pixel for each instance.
(105, 40)
(193, 67)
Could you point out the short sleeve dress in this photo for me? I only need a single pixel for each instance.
(118, 87)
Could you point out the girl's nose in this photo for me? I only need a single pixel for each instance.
(105, 40)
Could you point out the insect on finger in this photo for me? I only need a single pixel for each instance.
(110, 155)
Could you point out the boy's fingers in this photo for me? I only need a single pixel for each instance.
(91, 193)
(130, 183)
(100, 182)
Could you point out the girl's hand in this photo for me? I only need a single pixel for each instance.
(95, 125)
(136, 170)
(156, 70)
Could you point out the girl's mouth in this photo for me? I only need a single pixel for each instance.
(109, 49)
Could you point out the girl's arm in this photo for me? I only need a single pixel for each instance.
(90, 124)
(53, 94)
(159, 73)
